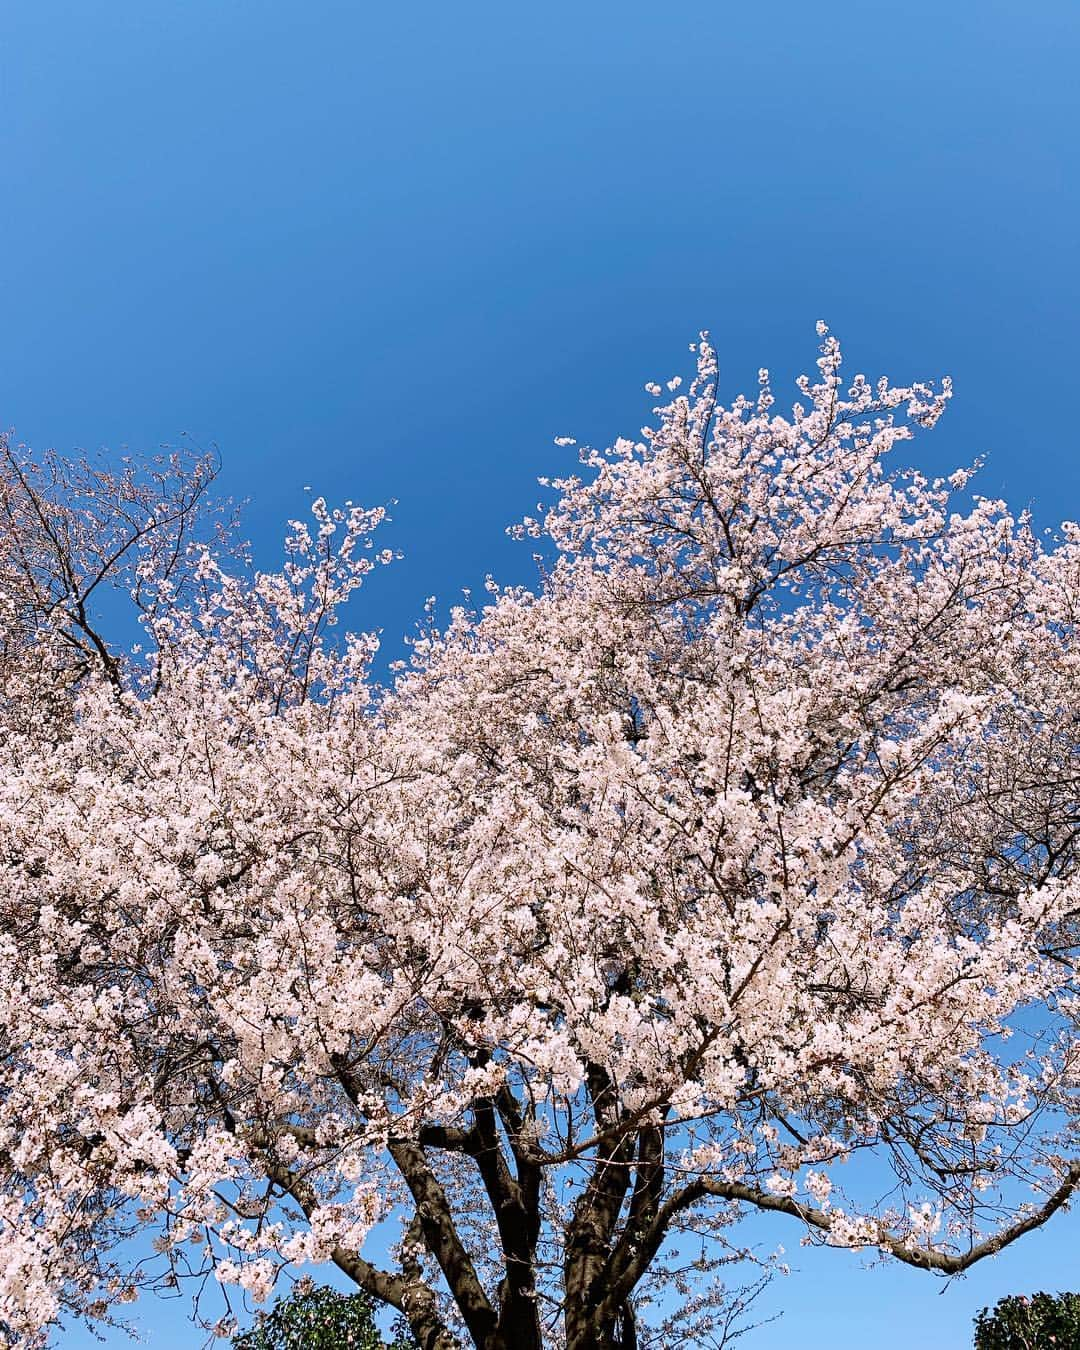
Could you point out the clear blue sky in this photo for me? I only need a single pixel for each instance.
(392, 250)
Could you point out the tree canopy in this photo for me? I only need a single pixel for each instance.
(733, 869)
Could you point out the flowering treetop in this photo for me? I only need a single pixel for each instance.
(739, 853)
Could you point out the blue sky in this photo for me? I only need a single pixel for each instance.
(393, 250)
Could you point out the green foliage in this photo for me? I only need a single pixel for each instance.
(1041, 1322)
(316, 1317)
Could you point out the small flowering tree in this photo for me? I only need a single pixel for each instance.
(732, 871)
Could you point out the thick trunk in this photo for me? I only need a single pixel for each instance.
(589, 1326)
(519, 1324)
(430, 1335)
(590, 1333)
(593, 1230)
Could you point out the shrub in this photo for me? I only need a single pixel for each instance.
(319, 1318)
(1020, 1322)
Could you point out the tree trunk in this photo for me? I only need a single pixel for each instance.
(590, 1334)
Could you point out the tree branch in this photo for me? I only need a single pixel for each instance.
(924, 1258)
(441, 1239)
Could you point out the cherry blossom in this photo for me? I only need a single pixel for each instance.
(731, 869)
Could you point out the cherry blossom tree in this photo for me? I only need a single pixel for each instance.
(731, 871)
